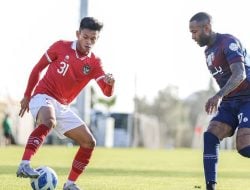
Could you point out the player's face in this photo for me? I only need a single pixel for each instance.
(199, 33)
(86, 40)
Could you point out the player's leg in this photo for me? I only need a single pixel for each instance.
(72, 126)
(212, 137)
(85, 139)
(222, 125)
(243, 141)
(243, 133)
(45, 120)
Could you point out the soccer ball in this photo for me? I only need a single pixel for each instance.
(47, 179)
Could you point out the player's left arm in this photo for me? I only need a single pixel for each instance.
(104, 80)
(106, 83)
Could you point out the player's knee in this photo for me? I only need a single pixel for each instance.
(51, 123)
(93, 142)
(245, 152)
(210, 138)
(90, 143)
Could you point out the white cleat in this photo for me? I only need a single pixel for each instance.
(71, 187)
(24, 170)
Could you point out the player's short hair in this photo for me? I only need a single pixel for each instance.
(201, 17)
(90, 23)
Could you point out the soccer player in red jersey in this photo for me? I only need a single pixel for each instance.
(70, 66)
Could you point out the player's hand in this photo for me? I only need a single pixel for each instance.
(109, 79)
(24, 106)
(212, 104)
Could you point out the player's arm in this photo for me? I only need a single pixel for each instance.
(106, 83)
(33, 79)
(35, 75)
(237, 77)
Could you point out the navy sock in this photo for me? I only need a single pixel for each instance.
(245, 152)
(210, 156)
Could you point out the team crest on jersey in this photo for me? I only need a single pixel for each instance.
(233, 46)
(86, 69)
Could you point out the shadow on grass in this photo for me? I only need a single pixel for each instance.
(133, 172)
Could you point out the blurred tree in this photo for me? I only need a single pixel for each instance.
(196, 103)
(93, 97)
(143, 106)
(177, 117)
(106, 102)
(170, 112)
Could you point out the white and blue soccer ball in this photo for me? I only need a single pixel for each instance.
(47, 179)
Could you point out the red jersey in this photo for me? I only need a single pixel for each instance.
(67, 73)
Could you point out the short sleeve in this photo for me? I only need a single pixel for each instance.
(233, 51)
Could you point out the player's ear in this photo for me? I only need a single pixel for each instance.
(207, 27)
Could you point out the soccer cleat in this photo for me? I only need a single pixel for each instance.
(211, 185)
(70, 187)
(26, 171)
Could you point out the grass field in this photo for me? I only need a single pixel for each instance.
(130, 169)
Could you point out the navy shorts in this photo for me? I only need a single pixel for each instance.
(235, 113)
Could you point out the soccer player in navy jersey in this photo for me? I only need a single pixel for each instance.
(228, 62)
(70, 66)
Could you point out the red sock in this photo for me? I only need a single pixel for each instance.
(80, 161)
(35, 140)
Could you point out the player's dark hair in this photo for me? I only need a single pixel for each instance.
(90, 23)
(201, 17)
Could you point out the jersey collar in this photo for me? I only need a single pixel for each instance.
(73, 46)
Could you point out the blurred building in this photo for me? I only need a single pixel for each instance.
(21, 127)
(124, 130)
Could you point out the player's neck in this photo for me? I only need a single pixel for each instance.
(80, 53)
(212, 38)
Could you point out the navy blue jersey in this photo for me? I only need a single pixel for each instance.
(225, 51)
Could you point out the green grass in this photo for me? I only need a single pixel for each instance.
(130, 169)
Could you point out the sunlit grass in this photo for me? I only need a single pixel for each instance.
(130, 169)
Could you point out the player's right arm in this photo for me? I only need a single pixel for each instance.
(33, 79)
(35, 74)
